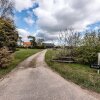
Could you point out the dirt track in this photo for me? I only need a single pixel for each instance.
(39, 83)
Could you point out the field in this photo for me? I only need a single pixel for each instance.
(82, 75)
(19, 56)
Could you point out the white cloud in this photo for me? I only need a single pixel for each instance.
(24, 34)
(54, 15)
(29, 21)
(47, 36)
(23, 4)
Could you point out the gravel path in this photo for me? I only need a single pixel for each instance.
(39, 83)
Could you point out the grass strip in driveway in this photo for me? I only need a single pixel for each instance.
(80, 74)
(19, 56)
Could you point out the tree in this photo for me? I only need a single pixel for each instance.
(6, 9)
(20, 40)
(8, 41)
(68, 40)
(32, 40)
(87, 52)
(69, 37)
(40, 41)
(8, 34)
(99, 34)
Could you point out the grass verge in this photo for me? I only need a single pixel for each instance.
(18, 57)
(77, 73)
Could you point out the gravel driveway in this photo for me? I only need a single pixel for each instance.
(38, 82)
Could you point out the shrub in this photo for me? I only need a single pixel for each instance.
(86, 55)
(5, 57)
(90, 47)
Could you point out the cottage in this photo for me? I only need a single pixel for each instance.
(27, 44)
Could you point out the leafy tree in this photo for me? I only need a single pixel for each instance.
(8, 34)
(32, 40)
(87, 52)
(40, 41)
(99, 34)
(20, 40)
(8, 41)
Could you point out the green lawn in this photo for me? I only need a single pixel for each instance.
(18, 57)
(77, 73)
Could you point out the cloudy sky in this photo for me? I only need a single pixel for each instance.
(45, 18)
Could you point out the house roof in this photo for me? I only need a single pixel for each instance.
(26, 43)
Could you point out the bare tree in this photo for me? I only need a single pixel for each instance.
(40, 41)
(68, 40)
(69, 37)
(6, 8)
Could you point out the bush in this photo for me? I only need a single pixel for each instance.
(86, 55)
(90, 47)
(5, 57)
